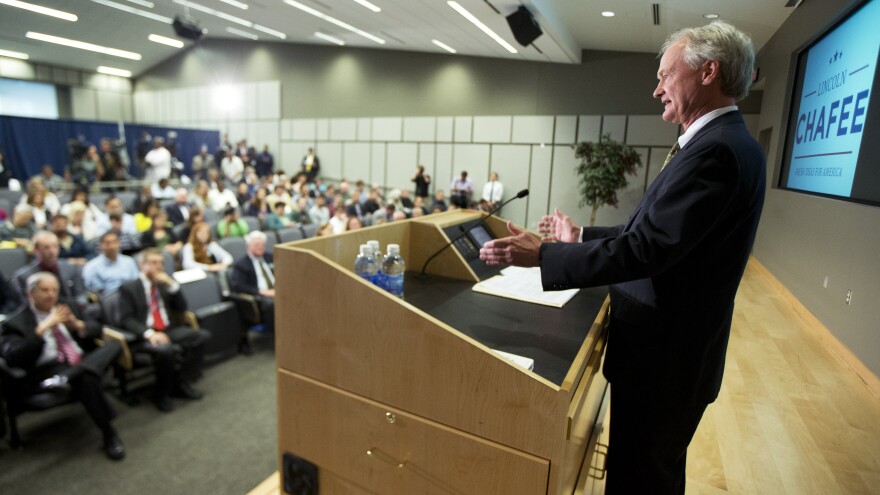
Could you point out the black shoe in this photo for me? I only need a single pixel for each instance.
(246, 349)
(164, 404)
(113, 447)
(56, 383)
(184, 390)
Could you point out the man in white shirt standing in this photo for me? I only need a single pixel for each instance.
(232, 167)
(493, 191)
(158, 161)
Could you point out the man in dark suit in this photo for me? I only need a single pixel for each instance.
(47, 249)
(178, 212)
(674, 268)
(145, 309)
(253, 274)
(49, 340)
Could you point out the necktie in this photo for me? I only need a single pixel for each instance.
(670, 155)
(491, 191)
(67, 352)
(270, 283)
(158, 321)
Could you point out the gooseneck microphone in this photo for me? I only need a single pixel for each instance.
(521, 194)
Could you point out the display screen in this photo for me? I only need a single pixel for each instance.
(832, 143)
(480, 236)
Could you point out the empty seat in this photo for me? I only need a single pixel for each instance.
(290, 234)
(236, 246)
(11, 260)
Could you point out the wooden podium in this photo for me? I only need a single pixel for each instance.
(385, 397)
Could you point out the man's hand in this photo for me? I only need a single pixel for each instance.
(520, 249)
(158, 338)
(268, 293)
(55, 317)
(558, 227)
(164, 279)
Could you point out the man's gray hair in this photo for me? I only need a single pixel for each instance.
(38, 277)
(255, 235)
(722, 42)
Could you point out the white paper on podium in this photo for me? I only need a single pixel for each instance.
(524, 284)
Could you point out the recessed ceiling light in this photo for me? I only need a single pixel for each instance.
(444, 46)
(10, 54)
(333, 20)
(607, 13)
(132, 10)
(165, 41)
(484, 28)
(39, 9)
(368, 5)
(217, 13)
(710, 16)
(236, 3)
(114, 72)
(143, 3)
(331, 39)
(243, 34)
(273, 32)
(83, 45)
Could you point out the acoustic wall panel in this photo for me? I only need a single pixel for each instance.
(539, 185)
(401, 162)
(445, 129)
(269, 100)
(304, 130)
(356, 161)
(343, 129)
(286, 129)
(529, 129)
(110, 106)
(387, 129)
(473, 158)
(377, 164)
(650, 130)
(322, 128)
(442, 174)
(564, 185)
(249, 106)
(615, 125)
(416, 129)
(290, 150)
(511, 162)
(177, 110)
(365, 129)
(331, 159)
(492, 129)
(654, 163)
(427, 156)
(463, 129)
(566, 126)
(84, 103)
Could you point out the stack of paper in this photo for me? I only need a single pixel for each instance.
(524, 284)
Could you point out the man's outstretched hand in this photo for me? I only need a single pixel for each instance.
(519, 249)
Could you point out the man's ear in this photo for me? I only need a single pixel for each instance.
(711, 72)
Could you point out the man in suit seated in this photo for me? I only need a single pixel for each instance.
(145, 306)
(57, 348)
(178, 212)
(253, 274)
(69, 276)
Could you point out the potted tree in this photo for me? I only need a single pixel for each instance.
(603, 169)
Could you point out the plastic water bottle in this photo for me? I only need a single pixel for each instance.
(379, 279)
(365, 264)
(393, 268)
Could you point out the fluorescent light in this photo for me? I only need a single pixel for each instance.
(83, 45)
(484, 28)
(7, 53)
(143, 3)
(368, 5)
(444, 46)
(165, 41)
(334, 20)
(114, 72)
(243, 34)
(40, 10)
(132, 10)
(273, 32)
(607, 13)
(207, 10)
(236, 3)
(710, 16)
(331, 39)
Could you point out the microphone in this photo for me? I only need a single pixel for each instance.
(521, 194)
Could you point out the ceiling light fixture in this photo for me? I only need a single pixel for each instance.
(607, 13)
(143, 3)
(10, 54)
(243, 34)
(132, 10)
(273, 32)
(165, 41)
(334, 20)
(331, 39)
(444, 46)
(83, 45)
(484, 28)
(710, 16)
(217, 13)
(114, 72)
(368, 5)
(236, 3)
(40, 10)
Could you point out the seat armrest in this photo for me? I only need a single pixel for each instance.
(125, 339)
(248, 306)
(11, 372)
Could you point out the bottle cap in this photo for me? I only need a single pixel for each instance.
(366, 250)
(393, 249)
(374, 245)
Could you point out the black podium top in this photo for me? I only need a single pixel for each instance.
(550, 336)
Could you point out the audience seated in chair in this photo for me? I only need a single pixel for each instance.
(110, 269)
(73, 248)
(146, 306)
(68, 275)
(113, 206)
(20, 229)
(254, 274)
(49, 340)
(178, 212)
(161, 236)
(278, 219)
(231, 225)
(202, 252)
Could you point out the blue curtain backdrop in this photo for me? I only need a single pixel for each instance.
(28, 144)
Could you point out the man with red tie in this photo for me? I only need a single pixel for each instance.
(49, 340)
(145, 306)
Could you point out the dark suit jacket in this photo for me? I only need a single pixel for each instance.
(674, 268)
(174, 214)
(21, 347)
(72, 286)
(244, 276)
(133, 305)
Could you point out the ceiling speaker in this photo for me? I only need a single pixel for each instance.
(188, 28)
(524, 26)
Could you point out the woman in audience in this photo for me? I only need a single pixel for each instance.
(161, 236)
(202, 252)
(36, 184)
(36, 201)
(280, 194)
(80, 223)
(92, 212)
(143, 219)
(196, 215)
(199, 195)
(259, 205)
(243, 193)
(353, 223)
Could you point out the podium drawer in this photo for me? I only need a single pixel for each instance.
(388, 451)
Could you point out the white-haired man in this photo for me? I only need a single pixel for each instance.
(674, 268)
(253, 274)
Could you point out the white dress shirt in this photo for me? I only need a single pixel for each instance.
(262, 283)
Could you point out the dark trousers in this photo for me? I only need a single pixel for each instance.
(647, 450)
(187, 349)
(267, 311)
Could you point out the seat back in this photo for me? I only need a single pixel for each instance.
(11, 260)
(290, 234)
(169, 264)
(110, 314)
(253, 223)
(309, 230)
(202, 293)
(236, 246)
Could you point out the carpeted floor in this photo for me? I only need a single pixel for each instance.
(223, 444)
